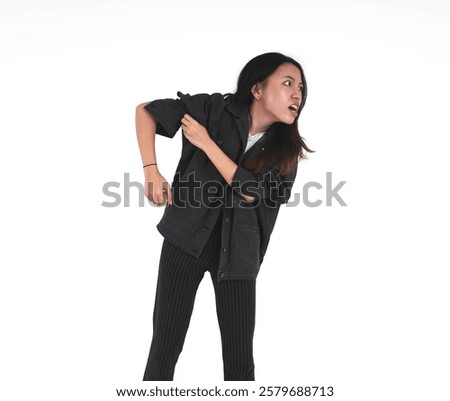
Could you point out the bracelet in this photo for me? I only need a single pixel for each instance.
(151, 164)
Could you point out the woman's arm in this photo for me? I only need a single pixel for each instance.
(198, 136)
(227, 167)
(249, 185)
(146, 131)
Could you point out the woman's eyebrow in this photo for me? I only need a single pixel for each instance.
(288, 76)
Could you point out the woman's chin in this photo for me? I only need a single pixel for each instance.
(289, 120)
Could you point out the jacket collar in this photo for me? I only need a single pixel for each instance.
(243, 121)
(242, 112)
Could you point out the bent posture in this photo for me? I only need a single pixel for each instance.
(238, 165)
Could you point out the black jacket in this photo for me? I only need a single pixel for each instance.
(200, 193)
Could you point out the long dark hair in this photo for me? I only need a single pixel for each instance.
(286, 147)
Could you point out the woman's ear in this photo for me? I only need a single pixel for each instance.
(256, 91)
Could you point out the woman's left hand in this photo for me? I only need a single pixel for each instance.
(194, 131)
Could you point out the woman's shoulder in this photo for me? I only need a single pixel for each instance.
(206, 101)
(205, 106)
(216, 96)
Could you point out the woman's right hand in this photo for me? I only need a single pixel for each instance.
(157, 189)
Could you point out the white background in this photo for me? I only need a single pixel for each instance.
(361, 301)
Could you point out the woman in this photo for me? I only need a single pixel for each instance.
(238, 164)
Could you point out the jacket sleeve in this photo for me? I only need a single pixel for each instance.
(267, 185)
(169, 112)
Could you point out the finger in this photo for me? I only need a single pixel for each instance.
(186, 119)
(166, 197)
(159, 197)
(148, 192)
(184, 123)
(163, 198)
(153, 201)
(168, 192)
(190, 119)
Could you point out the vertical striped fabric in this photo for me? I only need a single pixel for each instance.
(178, 279)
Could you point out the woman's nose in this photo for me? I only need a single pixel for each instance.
(297, 93)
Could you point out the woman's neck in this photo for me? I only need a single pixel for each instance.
(259, 121)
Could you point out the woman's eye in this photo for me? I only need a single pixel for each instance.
(288, 83)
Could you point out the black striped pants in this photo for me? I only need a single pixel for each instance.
(178, 279)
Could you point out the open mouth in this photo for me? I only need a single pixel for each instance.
(294, 108)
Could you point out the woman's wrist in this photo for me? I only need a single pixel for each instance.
(150, 169)
(208, 145)
(149, 165)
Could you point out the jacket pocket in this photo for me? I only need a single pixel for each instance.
(245, 250)
(183, 221)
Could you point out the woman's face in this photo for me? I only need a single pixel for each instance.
(281, 95)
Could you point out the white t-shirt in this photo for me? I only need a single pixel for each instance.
(252, 139)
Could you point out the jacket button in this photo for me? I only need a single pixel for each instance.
(224, 249)
(227, 219)
(222, 275)
(219, 142)
(262, 149)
